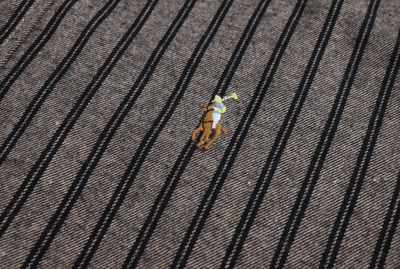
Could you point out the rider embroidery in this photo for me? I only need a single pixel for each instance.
(219, 109)
(210, 122)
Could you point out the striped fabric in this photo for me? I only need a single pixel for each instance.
(98, 100)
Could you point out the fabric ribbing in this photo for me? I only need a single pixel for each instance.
(305, 193)
(15, 19)
(387, 232)
(34, 49)
(27, 187)
(284, 134)
(107, 136)
(188, 150)
(97, 168)
(349, 202)
(185, 79)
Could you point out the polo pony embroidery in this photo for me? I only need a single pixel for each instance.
(210, 122)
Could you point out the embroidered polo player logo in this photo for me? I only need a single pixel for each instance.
(210, 122)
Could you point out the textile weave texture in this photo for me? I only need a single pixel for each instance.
(98, 101)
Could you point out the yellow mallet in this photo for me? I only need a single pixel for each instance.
(234, 96)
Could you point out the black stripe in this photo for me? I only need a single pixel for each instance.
(56, 221)
(161, 203)
(251, 112)
(106, 136)
(62, 132)
(388, 229)
(276, 61)
(390, 222)
(61, 70)
(389, 238)
(320, 153)
(301, 94)
(15, 19)
(224, 82)
(185, 78)
(44, 92)
(273, 60)
(364, 158)
(55, 77)
(34, 49)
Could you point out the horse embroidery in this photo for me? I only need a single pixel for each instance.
(210, 122)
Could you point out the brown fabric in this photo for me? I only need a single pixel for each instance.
(98, 100)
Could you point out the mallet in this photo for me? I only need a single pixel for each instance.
(234, 96)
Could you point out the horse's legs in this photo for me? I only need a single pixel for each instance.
(205, 136)
(217, 133)
(212, 133)
(205, 126)
(196, 131)
(223, 129)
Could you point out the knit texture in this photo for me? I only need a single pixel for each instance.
(98, 101)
